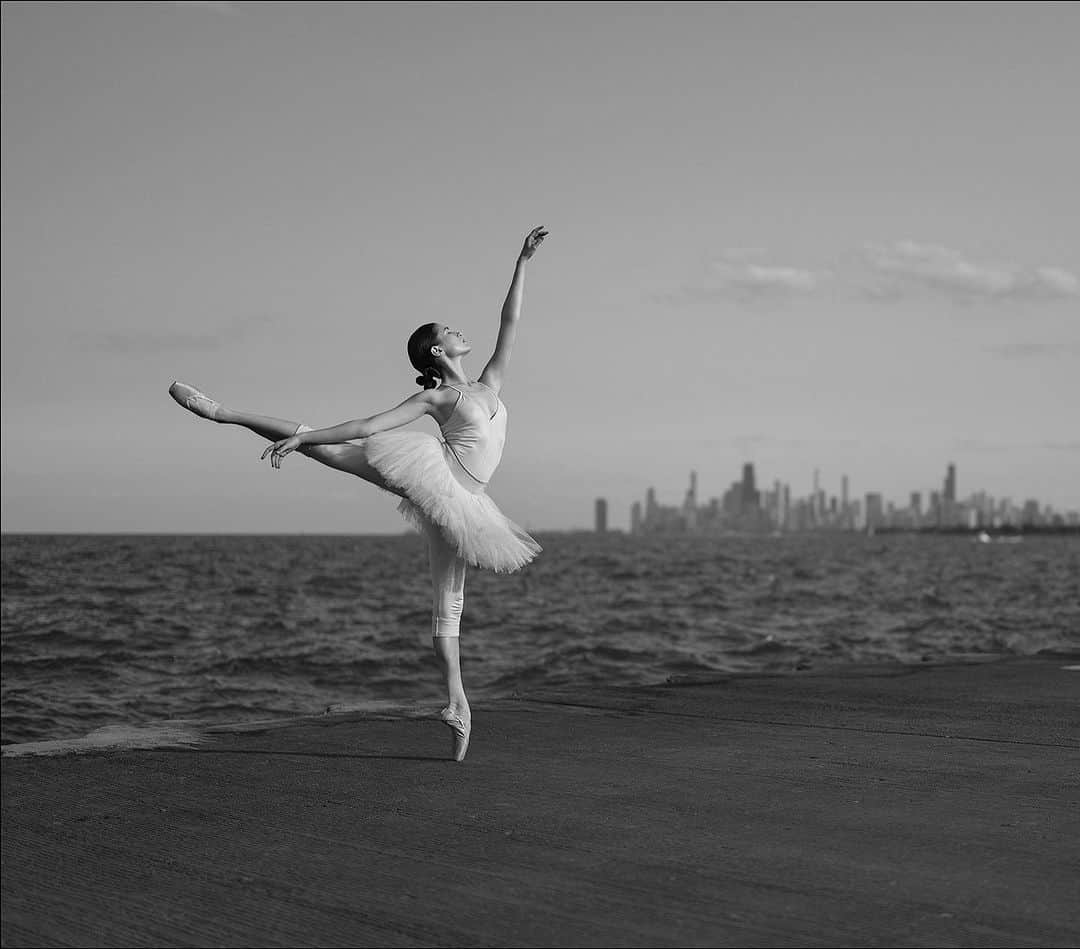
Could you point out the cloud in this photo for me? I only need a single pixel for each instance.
(887, 272)
(144, 342)
(743, 274)
(1032, 350)
(907, 268)
(1063, 446)
(1056, 280)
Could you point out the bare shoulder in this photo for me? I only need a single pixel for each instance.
(439, 402)
(436, 399)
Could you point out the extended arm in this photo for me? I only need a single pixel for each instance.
(408, 411)
(492, 376)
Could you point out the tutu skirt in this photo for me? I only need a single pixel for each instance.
(422, 468)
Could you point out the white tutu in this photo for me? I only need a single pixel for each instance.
(419, 465)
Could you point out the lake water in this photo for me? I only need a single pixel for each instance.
(125, 630)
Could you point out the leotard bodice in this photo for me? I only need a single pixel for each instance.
(475, 434)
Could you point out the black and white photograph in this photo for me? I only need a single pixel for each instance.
(540, 473)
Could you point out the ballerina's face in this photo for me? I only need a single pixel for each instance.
(452, 341)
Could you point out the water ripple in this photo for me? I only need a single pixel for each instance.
(101, 631)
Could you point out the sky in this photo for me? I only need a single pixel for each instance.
(842, 237)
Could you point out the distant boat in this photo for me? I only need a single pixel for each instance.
(984, 538)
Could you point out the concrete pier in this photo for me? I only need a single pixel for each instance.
(931, 805)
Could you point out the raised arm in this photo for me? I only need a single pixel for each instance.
(492, 376)
(408, 411)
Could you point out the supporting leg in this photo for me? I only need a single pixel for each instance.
(448, 600)
(447, 586)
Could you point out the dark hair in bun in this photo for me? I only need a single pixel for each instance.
(429, 378)
(419, 350)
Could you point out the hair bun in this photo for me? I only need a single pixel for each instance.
(429, 378)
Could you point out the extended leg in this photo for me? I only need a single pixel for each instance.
(345, 457)
(448, 600)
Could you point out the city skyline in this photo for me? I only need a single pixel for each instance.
(772, 505)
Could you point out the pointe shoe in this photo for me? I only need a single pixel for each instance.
(195, 401)
(461, 730)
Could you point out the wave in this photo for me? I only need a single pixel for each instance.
(101, 630)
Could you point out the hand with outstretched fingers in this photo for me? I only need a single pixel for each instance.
(280, 449)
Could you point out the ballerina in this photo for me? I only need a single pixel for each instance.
(441, 483)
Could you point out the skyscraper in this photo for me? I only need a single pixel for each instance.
(950, 483)
(949, 497)
(875, 511)
(635, 518)
(749, 491)
(601, 516)
(690, 505)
